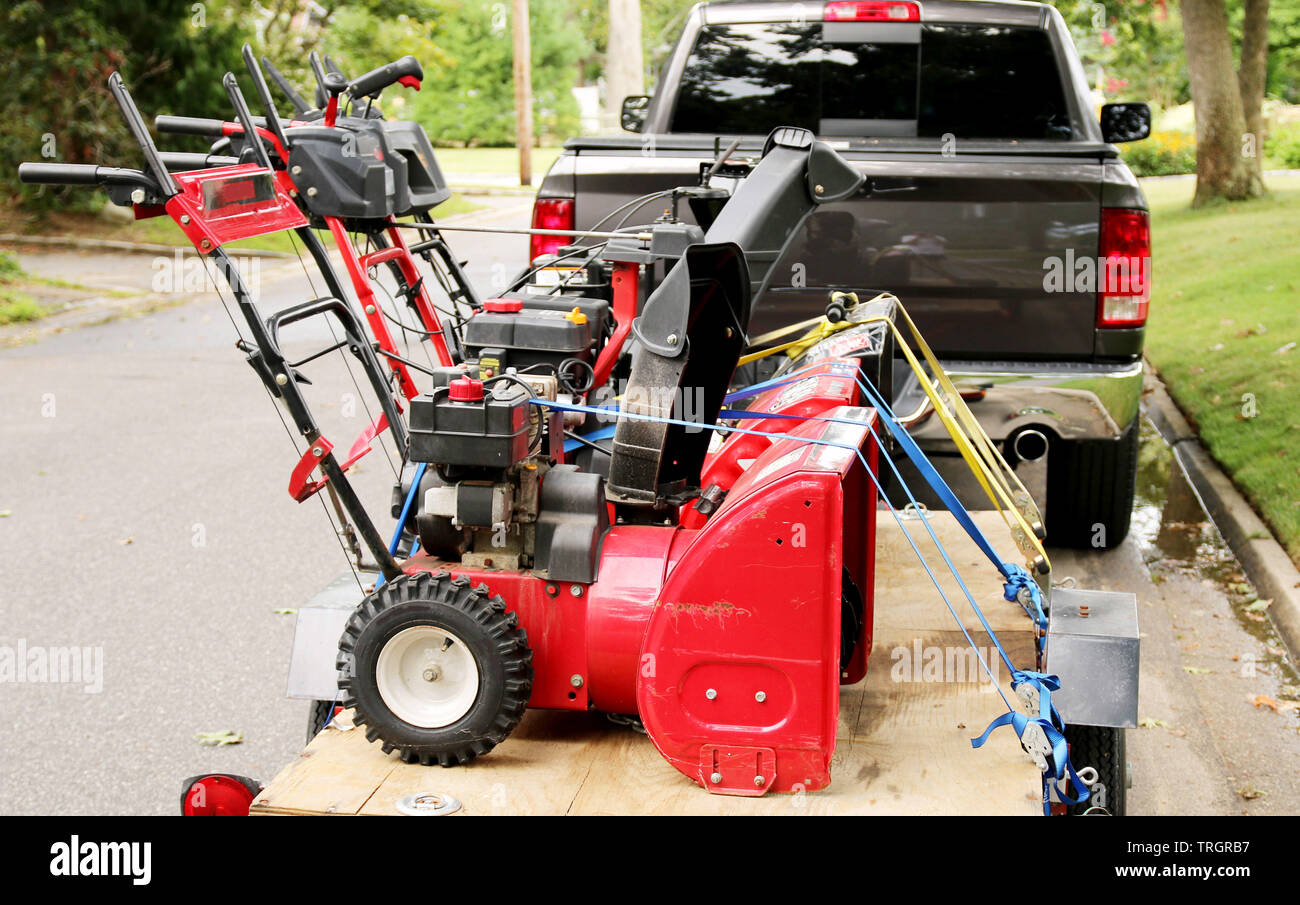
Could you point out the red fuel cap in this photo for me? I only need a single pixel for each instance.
(466, 389)
(504, 306)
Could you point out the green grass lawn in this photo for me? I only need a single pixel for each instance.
(494, 160)
(1223, 332)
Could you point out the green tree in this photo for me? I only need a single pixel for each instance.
(58, 56)
(464, 45)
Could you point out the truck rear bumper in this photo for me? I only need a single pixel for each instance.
(1075, 401)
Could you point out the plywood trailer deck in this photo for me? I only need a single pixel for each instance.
(903, 744)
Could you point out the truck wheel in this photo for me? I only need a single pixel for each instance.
(1102, 748)
(319, 716)
(1090, 488)
(435, 669)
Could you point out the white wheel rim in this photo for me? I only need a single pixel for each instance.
(427, 677)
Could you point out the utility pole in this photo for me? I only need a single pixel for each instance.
(624, 70)
(523, 92)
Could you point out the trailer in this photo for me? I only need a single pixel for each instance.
(903, 745)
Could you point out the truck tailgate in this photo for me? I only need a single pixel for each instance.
(965, 243)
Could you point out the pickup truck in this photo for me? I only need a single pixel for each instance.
(996, 208)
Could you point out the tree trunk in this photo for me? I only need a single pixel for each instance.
(624, 71)
(523, 74)
(1252, 73)
(1222, 171)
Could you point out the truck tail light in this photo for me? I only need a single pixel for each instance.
(871, 11)
(550, 213)
(1124, 263)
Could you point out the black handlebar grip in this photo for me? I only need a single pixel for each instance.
(189, 125)
(59, 174)
(408, 67)
(184, 160)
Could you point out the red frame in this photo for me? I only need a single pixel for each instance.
(209, 232)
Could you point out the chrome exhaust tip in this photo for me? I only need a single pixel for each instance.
(1029, 445)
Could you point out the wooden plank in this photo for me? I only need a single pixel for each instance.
(903, 747)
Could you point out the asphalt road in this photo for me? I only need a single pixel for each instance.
(145, 517)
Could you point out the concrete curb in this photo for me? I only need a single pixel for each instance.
(147, 248)
(1266, 563)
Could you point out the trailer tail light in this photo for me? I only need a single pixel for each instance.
(218, 795)
(871, 11)
(550, 213)
(1124, 268)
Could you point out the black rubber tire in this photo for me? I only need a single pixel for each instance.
(318, 716)
(1090, 490)
(1102, 748)
(493, 636)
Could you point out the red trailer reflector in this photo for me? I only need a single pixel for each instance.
(550, 213)
(871, 11)
(218, 795)
(1124, 262)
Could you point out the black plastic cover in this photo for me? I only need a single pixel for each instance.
(348, 172)
(492, 433)
(571, 524)
(426, 186)
(531, 336)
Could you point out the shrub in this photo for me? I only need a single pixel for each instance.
(1163, 154)
(1282, 147)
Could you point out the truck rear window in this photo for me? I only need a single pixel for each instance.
(873, 80)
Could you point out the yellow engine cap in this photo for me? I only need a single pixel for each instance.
(576, 316)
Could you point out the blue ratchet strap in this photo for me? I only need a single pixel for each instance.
(401, 520)
(1049, 721)
(603, 434)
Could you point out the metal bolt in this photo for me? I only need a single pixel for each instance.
(205, 245)
(819, 189)
(370, 309)
(433, 673)
(185, 219)
(317, 451)
(760, 696)
(672, 339)
(711, 693)
(715, 778)
(575, 590)
(297, 171)
(575, 680)
(758, 781)
(281, 380)
(311, 192)
(138, 196)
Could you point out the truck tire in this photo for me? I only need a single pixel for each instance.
(435, 669)
(1090, 490)
(318, 716)
(1102, 748)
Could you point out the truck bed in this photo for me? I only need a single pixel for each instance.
(903, 747)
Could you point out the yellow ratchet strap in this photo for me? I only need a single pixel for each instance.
(999, 482)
